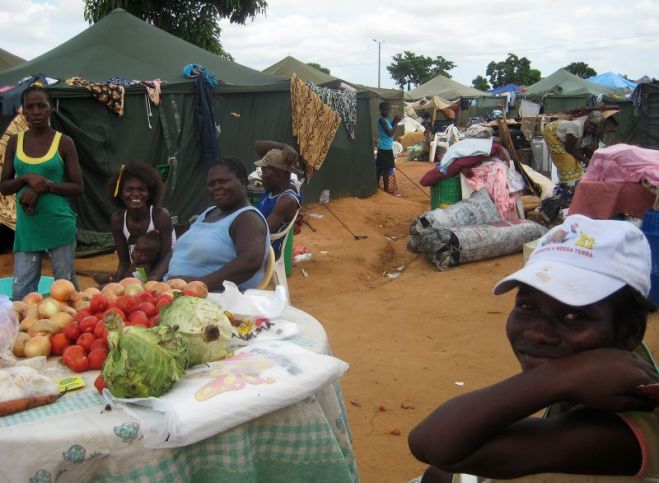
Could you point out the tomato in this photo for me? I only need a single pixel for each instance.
(138, 318)
(164, 300)
(148, 308)
(97, 358)
(58, 343)
(72, 331)
(127, 303)
(153, 321)
(78, 363)
(85, 340)
(72, 352)
(82, 314)
(100, 331)
(115, 310)
(99, 383)
(99, 344)
(98, 303)
(88, 324)
(145, 297)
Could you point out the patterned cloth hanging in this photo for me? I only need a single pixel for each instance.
(110, 95)
(314, 124)
(8, 203)
(343, 102)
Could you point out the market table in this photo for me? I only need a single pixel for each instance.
(78, 439)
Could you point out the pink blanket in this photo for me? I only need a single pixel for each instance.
(624, 162)
(494, 176)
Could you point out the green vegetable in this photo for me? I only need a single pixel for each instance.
(143, 362)
(203, 325)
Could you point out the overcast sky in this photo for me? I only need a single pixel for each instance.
(609, 35)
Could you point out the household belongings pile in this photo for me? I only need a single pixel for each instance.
(485, 164)
(468, 231)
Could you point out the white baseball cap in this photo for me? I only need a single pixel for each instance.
(583, 261)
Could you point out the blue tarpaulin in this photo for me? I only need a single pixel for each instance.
(613, 81)
(507, 88)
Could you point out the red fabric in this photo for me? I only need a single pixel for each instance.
(460, 165)
(603, 199)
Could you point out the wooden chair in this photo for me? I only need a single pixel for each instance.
(268, 272)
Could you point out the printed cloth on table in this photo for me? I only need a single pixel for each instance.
(110, 95)
(8, 203)
(217, 396)
(314, 124)
(464, 148)
(624, 162)
(343, 102)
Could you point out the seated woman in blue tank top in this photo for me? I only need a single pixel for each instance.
(228, 241)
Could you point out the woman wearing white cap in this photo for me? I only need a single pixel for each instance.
(576, 329)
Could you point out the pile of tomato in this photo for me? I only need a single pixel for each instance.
(83, 344)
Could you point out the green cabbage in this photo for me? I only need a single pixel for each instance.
(203, 325)
(143, 362)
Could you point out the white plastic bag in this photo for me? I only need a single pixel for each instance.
(8, 325)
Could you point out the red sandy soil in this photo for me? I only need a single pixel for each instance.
(408, 340)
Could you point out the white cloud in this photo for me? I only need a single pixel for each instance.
(340, 34)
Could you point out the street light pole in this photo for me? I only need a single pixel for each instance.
(379, 42)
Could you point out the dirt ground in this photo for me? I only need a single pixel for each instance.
(415, 340)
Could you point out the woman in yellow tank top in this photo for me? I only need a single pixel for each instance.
(41, 167)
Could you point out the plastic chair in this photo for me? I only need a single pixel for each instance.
(268, 272)
(279, 277)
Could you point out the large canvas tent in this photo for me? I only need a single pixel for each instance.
(7, 60)
(565, 83)
(443, 87)
(248, 105)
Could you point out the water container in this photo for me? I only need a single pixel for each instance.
(541, 160)
(324, 197)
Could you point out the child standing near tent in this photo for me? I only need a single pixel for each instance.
(576, 328)
(41, 168)
(384, 162)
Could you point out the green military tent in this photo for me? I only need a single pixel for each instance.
(443, 87)
(248, 105)
(565, 83)
(288, 66)
(7, 60)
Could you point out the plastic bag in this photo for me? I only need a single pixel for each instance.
(8, 325)
(21, 382)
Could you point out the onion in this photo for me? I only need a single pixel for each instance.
(37, 346)
(91, 291)
(151, 285)
(42, 327)
(177, 283)
(114, 288)
(61, 320)
(62, 289)
(129, 281)
(20, 308)
(19, 344)
(48, 308)
(133, 289)
(33, 297)
(26, 323)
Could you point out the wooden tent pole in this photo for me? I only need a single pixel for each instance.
(507, 141)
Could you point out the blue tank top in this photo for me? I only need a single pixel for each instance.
(267, 204)
(385, 141)
(207, 247)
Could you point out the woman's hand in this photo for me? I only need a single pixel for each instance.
(38, 183)
(608, 379)
(28, 199)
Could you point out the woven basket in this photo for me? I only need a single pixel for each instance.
(446, 192)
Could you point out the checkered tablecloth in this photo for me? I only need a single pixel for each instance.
(78, 439)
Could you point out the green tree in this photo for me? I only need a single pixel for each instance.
(319, 67)
(513, 70)
(480, 83)
(196, 21)
(409, 69)
(580, 69)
